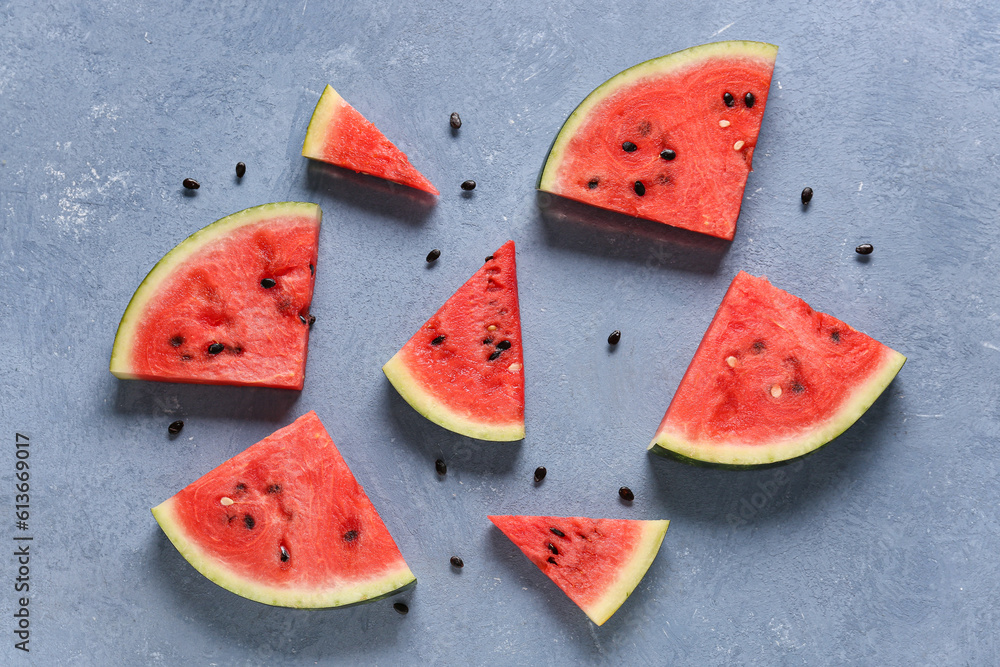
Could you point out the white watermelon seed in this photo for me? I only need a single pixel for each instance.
(226, 500)
(775, 390)
(731, 361)
(738, 145)
(723, 123)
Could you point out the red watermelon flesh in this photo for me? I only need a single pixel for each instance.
(464, 368)
(286, 523)
(771, 380)
(596, 562)
(338, 134)
(203, 314)
(659, 141)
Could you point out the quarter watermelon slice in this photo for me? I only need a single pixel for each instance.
(228, 305)
(285, 523)
(670, 140)
(464, 368)
(771, 380)
(339, 135)
(596, 562)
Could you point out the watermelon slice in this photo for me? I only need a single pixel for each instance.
(464, 369)
(285, 523)
(772, 380)
(228, 305)
(339, 135)
(670, 140)
(596, 562)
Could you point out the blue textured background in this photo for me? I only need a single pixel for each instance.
(882, 548)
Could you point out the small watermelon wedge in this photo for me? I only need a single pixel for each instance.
(464, 368)
(772, 380)
(285, 523)
(228, 305)
(338, 134)
(596, 562)
(669, 140)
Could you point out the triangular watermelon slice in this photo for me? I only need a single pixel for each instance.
(772, 380)
(596, 562)
(464, 368)
(670, 140)
(228, 305)
(340, 135)
(285, 523)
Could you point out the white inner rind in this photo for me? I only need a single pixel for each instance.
(631, 573)
(434, 409)
(330, 102)
(121, 352)
(749, 454)
(311, 598)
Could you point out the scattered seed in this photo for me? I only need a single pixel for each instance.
(540, 473)
(668, 154)
(864, 249)
(738, 145)
(268, 283)
(226, 500)
(455, 120)
(469, 185)
(615, 336)
(731, 361)
(248, 521)
(401, 608)
(592, 183)
(749, 99)
(433, 255)
(489, 258)
(241, 169)
(495, 355)
(557, 532)
(723, 123)
(629, 147)
(350, 536)
(177, 341)
(492, 327)
(284, 554)
(626, 494)
(215, 348)
(775, 390)
(640, 189)
(503, 345)
(175, 427)
(190, 184)
(553, 549)
(438, 340)
(457, 562)
(728, 99)
(807, 195)
(441, 467)
(553, 560)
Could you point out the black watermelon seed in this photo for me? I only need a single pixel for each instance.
(303, 319)
(457, 562)
(469, 185)
(312, 270)
(797, 388)
(455, 120)
(615, 336)
(728, 99)
(503, 345)
(640, 189)
(186, 357)
(835, 335)
(557, 532)
(668, 154)
(592, 183)
(489, 258)
(496, 353)
(175, 427)
(433, 255)
(553, 549)
(540, 473)
(807, 195)
(241, 169)
(284, 554)
(438, 340)
(864, 249)
(441, 467)
(274, 488)
(749, 99)
(629, 147)
(241, 486)
(553, 560)
(626, 494)
(312, 319)
(215, 348)
(190, 184)
(248, 521)
(268, 283)
(177, 341)
(401, 608)
(350, 536)
(758, 347)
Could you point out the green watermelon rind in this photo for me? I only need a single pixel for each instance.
(631, 572)
(121, 351)
(437, 411)
(755, 455)
(326, 110)
(217, 572)
(547, 178)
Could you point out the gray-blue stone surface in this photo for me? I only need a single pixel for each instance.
(880, 549)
